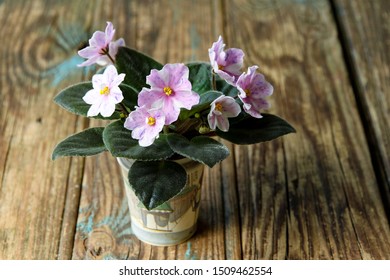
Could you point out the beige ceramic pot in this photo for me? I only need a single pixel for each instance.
(172, 222)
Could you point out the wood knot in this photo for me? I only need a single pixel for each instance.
(99, 243)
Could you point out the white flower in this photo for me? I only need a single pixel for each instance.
(105, 93)
(146, 124)
(222, 108)
(102, 49)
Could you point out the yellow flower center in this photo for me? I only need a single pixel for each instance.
(248, 92)
(151, 121)
(168, 91)
(105, 91)
(218, 106)
(221, 67)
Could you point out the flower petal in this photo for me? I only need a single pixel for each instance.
(93, 110)
(134, 119)
(185, 99)
(157, 79)
(150, 97)
(91, 96)
(110, 74)
(89, 62)
(109, 33)
(88, 52)
(103, 60)
(170, 111)
(98, 40)
(138, 132)
(178, 75)
(212, 121)
(113, 47)
(116, 95)
(118, 80)
(234, 60)
(107, 108)
(98, 80)
(222, 123)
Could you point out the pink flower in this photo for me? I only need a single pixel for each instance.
(222, 108)
(101, 48)
(170, 90)
(227, 64)
(105, 93)
(146, 124)
(253, 90)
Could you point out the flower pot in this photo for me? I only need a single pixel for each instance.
(174, 221)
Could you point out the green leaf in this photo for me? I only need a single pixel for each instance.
(204, 102)
(201, 148)
(200, 77)
(119, 142)
(226, 88)
(251, 130)
(71, 99)
(136, 66)
(130, 96)
(156, 182)
(86, 143)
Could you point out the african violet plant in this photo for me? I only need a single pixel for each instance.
(160, 113)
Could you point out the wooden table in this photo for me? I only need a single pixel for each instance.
(322, 193)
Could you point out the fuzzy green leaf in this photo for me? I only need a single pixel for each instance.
(251, 130)
(226, 88)
(156, 182)
(136, 66)
(200, 77)
(86, 143)
(119, 142)
(201, 148)
(130, 96)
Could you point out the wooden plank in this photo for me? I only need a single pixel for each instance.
(32, 188)
(231, 207)
(306, 196)
(364, 27)
(312, 195)
(97, 235)
(103, 227)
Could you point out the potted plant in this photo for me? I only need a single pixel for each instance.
(164, 122)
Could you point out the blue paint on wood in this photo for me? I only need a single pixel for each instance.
(195, 42)
(68, 38)
(109, 257)
(86, 224)
(189, 255)
(119, 223)
(68, 67)
(176, 12)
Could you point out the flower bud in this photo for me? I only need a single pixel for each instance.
(203, 129)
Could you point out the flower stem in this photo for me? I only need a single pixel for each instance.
(106, 52)
(214, 81)
(110, 57)
(124, 110)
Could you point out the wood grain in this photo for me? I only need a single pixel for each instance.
(317, 194)
(364, 27)
(312, 195)
(33, 189)
(182, 37)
